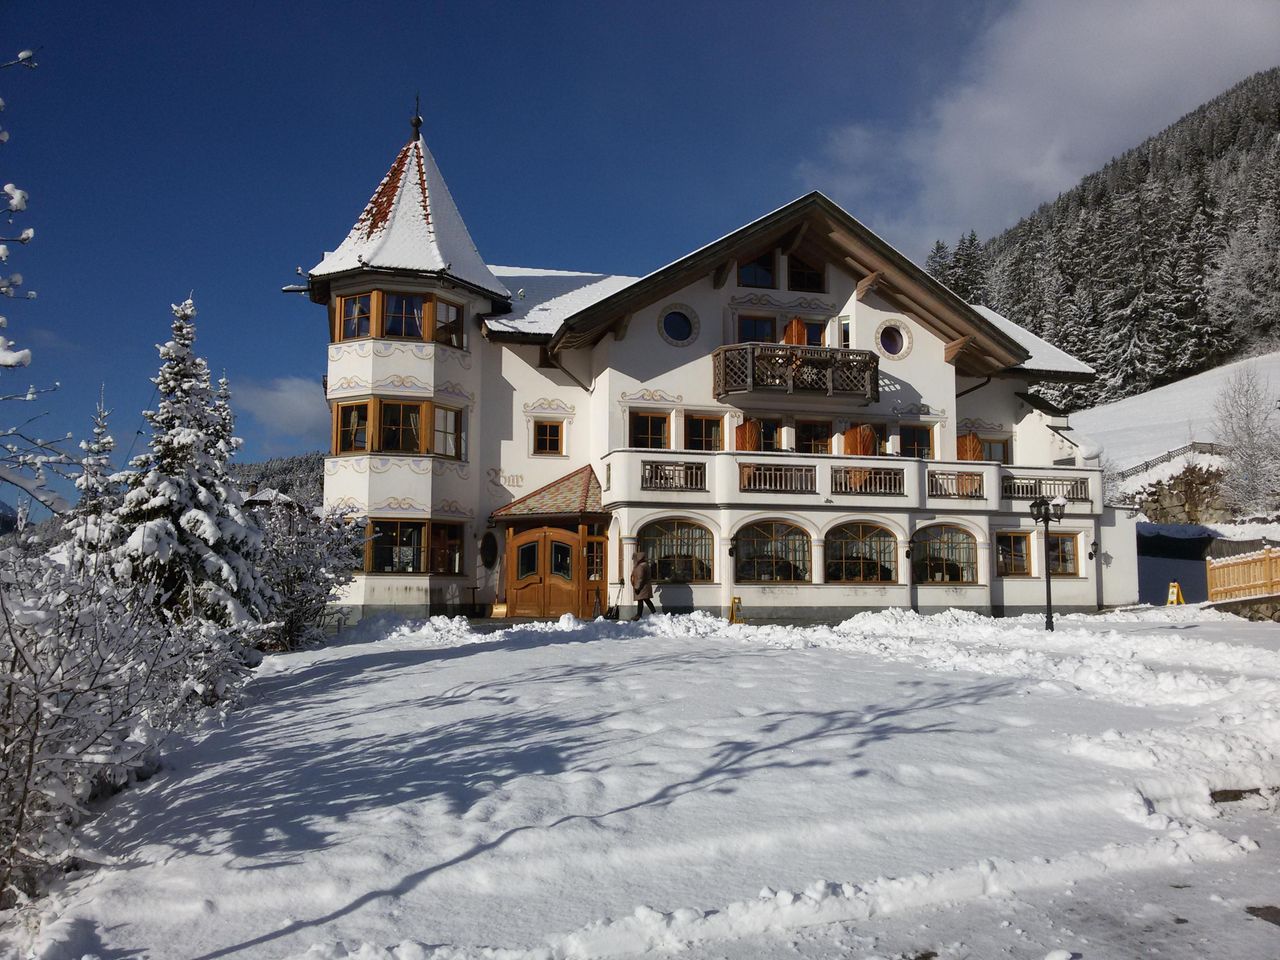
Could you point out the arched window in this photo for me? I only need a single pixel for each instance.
(861, 553)
(944, 554)
(771, 551)
(679, 551)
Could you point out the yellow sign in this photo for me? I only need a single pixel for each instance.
(1175, 595)
(735, 610)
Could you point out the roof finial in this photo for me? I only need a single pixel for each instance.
(416, 122)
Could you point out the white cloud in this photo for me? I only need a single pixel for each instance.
(1052, 91)
(288, 408)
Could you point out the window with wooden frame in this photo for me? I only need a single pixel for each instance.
(403, 315)
(448, 438)
(1013, 554)
(944, 554)
(680, 551)
(448, 324)
(650, 430)
(395, 546)
(861, 553)
(815, 333)
(770, 434)
(355, 316)
(771, 551)
(1063, 556)
(351, 428)
(703, 432)
(916, 440)
(996, 448)
(757, 329)
(804, 276)
(759, 271)
(400, 427)
(445, 556)
(548, 438)
(813, 436)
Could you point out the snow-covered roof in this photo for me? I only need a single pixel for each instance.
(1045, 357)
(542, 299)
(268, 495)
(412, 223)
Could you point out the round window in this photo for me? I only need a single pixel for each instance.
(892, 341)
(678, 324)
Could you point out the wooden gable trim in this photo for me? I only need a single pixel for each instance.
(722, 274)
(791, 243)
(866, 283)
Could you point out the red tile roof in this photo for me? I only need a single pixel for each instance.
(571, 495)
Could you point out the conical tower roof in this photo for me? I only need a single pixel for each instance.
(411, 223)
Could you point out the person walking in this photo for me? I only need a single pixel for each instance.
(642, 584)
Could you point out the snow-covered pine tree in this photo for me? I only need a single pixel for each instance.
(184, 523)
(938, 263)
(969, 269)
(92, 521)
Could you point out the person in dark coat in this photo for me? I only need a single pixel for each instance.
(642, 584)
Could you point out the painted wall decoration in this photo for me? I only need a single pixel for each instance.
(811, 304)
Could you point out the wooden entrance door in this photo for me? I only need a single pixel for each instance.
(545, 573)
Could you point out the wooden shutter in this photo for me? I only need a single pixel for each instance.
(747, 435)
(968, 447)
(795, 332)
(861, 441)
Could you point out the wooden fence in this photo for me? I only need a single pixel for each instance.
(1249, 575)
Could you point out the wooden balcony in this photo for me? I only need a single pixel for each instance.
(869, 481)
(672, 475)
(955, 485)
(777, 478)
(789, 368)
(1072, 489)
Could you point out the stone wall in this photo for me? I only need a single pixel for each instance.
(1193, 496)
(1267, 608)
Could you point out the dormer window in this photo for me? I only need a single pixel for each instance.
(355, 314)
(402, 316)
(804, 276)
(760, 271)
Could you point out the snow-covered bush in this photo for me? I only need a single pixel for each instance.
(87, 666)
(306, 559)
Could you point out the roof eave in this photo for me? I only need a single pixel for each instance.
(318, 283)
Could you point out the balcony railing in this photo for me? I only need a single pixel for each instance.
(955, 485)
(869, 481)
(792, 368)
(668, 475)
(777, 478)
(1075, 489)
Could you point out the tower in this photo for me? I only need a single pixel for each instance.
(403, 291)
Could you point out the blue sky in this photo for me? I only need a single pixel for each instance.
(176, 147)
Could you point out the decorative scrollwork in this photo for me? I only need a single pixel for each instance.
(652, 396)
(977, 423)
(348, 385)
(812, 304)
(451, 508)
(451, 388)
(550, 407)
(409, 384)
(399, 505)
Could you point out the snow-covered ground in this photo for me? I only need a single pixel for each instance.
(887, 787)
(1139, 428)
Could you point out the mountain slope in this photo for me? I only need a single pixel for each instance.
(1163, 263)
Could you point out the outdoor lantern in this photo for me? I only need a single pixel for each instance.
(1093, 549)
(1047, 512)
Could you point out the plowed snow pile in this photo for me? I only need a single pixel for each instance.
(601, 789)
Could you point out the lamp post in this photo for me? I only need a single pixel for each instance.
(1047, 512)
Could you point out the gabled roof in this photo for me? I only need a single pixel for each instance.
(1046, 361)
(544, 298)
(572, 495)
(821, 223)
(412, 224)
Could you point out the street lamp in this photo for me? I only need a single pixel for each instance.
(1046, 512)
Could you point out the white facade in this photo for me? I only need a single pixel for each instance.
(582, 355)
